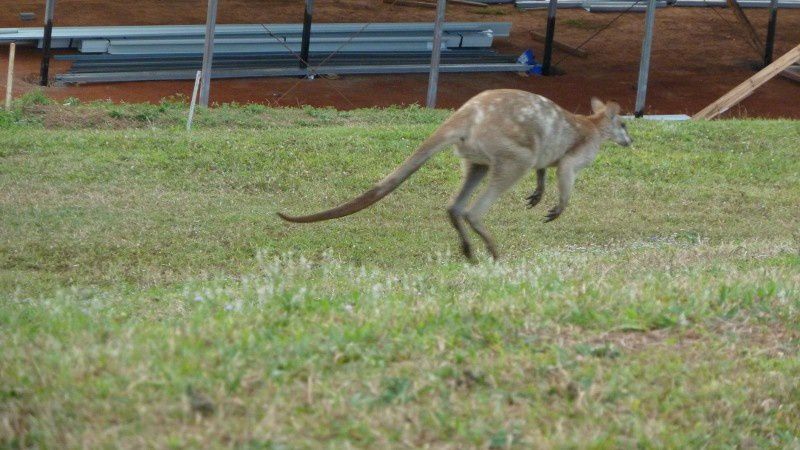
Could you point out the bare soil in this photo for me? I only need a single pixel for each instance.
(698, 55)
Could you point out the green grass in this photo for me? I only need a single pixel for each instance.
(139, 262)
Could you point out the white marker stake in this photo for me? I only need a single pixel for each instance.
(194, 100)
(10, 79)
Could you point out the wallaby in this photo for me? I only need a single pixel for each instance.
(504, 134)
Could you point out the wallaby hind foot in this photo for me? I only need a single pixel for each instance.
(473, 175)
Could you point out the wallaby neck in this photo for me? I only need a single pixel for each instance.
(589, 128)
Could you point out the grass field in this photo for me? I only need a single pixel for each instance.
(152, 299)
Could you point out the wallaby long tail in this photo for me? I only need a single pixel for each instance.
(436, 142)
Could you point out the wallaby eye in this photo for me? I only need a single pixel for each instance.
(623, 126)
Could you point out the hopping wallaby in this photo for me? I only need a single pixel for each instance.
(504, 134)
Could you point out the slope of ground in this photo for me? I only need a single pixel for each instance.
(152, 299)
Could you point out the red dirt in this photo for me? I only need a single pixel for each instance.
(697, 56)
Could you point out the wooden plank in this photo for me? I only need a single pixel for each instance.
(538, 37)
(743, 90)
(750, 32)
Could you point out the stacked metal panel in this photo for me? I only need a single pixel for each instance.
(542, 4)
(743, 3)
(184, 38)
(641, 5)
(175, 52)
(268, 45)
(121, 68)
(620, 5)
(592, 5)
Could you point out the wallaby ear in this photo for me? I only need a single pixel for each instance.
(612, 109)
(597, 105)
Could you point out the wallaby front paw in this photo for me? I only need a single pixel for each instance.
(534, 199)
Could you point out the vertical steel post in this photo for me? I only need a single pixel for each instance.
(548, 39)
(644, 64)
(773, 22)
(44, 71)
(436, 54)
(208, 53)
(306, 42)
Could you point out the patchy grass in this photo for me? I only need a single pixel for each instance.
(151, 298)
(171, 112)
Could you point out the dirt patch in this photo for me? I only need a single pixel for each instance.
(698, 55)
(742, 334)
(77, 117)
(773, 340)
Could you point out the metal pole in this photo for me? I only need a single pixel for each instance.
(436, 53)
(10, 79)
(208, 52)
(548, 39)
(306, 42)
(644, 65)
(773, 22)
(44, 71)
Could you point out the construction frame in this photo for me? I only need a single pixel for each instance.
(305, 70)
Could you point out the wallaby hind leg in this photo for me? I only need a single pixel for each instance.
(501, 178)
(473, 174)
(537, 195)
(566, 179)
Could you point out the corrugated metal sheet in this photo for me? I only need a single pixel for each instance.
(641, 6)
(174, 52)
(110, 77)
(70, 37)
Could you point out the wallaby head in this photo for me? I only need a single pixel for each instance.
(610, 123)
